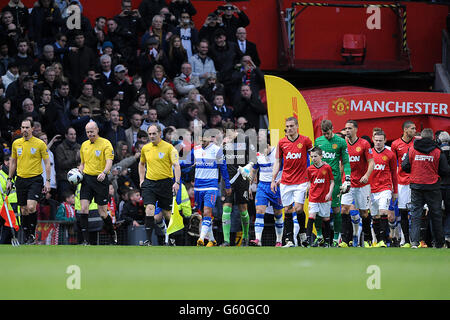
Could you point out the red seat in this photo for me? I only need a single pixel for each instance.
(353, 47)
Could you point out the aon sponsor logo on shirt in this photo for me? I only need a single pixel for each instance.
(319, 181)
(379, 166)
(329, 155)
(292, 155)
(354, 158)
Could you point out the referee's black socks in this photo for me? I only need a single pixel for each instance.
(109, 228)
(149, 226)
(84, 223)
(32, 222)
(25, 224)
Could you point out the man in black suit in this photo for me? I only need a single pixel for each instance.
(246, 47)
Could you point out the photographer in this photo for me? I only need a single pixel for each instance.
(232, 19)
(130, 19)
(177, 7)
(211, 24)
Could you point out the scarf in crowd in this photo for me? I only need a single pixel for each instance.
(70, 210)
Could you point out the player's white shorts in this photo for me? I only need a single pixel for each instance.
(321, 208)
(380, 201)
(291, 193)
(361, 196)
(404, 195)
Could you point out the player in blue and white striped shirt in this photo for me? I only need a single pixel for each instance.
(208, 159)
(265, 196)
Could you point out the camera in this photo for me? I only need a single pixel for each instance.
(127, 12)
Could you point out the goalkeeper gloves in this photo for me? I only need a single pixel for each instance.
(346, 185)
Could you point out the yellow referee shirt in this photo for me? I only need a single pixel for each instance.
(29, 155)
(94, 155)
(159, 160)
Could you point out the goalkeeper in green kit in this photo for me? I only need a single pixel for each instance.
(334, 150)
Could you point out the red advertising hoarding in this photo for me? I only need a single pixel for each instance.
(389, 110)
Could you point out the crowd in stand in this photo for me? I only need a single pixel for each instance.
(142, 66)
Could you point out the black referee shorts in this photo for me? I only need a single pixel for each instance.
(239, 192)
(28, 189)
(158, 190)
(92, 188)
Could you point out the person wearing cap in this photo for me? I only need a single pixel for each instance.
(122, 87)
(232, 19)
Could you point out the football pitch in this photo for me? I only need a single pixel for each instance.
(191, 273)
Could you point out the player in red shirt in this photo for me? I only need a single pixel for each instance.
(383, 181)
(361, 164)
(321, 185)
(293, 151)
(400, 148)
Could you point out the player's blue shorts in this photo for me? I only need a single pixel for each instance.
(206, 198)
(264, 195)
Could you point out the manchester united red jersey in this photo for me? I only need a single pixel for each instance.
(400, 149)
(359, 154)
(294, 157)
(320, 178)
(384, 174)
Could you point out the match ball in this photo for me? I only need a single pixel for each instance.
(74, 176)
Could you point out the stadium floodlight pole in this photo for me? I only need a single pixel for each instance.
(14, 241)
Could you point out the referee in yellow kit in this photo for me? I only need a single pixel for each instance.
(27, 155)
(157, 184)
(97, 156)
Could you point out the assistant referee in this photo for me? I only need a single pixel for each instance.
(158, 157)
(97, 156)
(27, 155)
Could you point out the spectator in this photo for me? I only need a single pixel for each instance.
(78, 63)
(427, 165)
(166, 106)
(85, 26)
(133, 210)
(5, 58)
(66, 210)
(100, 24)
(62, 97)
(186, 81)
(122, 152)
(246, 47)
(151, 118)
(114, 131)
(170, 21)
(59, 74)
(22, 57)
(9, 121)
(122, 88)
(215, 120)
(178, 7)
(249, 105)
(149, 8)
(232, 19)
(202, 65)
(132, 131)
(47, 58)
(224, 54)
(188, 113)
(46, 107)
(138, 88)
(20, 14)
(45, 23)
(124, 41)
(158, 82)
(225, 112)
(188, 33)
(15, 87)
(212, 23)
(130, 19)
(61, 48)
(87, 96)
(159, 31)
(11, 75)
(140, 106)
(43, 136)
(204, 108)
(106, 81)
(177, 55)
(49, 81)
(211, 88)
(151, 56)
(29, 110)
(247, 73)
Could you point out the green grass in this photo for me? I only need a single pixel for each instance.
(180, 273)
